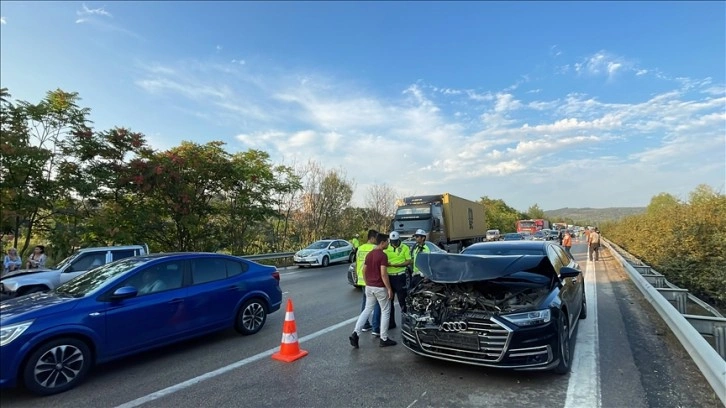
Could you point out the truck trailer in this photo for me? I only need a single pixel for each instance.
(451, 222)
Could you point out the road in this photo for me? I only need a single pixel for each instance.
(624, 357)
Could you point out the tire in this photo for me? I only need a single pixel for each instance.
(351, 257)
(564, 351)
(583, 312)
(41, 375)
(326, 261)
(251, 317)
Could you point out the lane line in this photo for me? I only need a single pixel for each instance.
(188, 383)
(583, 388)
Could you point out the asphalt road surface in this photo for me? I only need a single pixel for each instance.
(624, 357)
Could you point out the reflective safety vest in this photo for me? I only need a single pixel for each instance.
(397, 256)
(355, 243)
(360, 259)
(415, 251)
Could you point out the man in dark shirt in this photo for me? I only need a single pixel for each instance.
(378, 290)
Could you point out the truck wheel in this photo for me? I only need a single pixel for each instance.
(57, 366)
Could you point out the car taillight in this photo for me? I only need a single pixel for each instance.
(276, 275)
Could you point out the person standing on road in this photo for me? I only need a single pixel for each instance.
(399, 257)
(360, 257)
(593, 243)
(378, 291)
(567, 243)
(417, 276)
(355, 244)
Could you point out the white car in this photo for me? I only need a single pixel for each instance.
(325, 252)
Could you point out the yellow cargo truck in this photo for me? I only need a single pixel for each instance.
(451, 222)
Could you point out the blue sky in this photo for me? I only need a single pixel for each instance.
(563, 104)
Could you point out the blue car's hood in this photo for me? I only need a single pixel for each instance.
(34, 305)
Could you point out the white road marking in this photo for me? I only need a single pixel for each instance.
(416, 400)
(188, 383)
(583, 388)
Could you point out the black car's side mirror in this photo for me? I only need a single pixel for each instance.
(567, 272)
(125, 292)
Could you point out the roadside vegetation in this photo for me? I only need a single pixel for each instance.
(683, 240)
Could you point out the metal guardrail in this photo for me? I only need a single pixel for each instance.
(689, 329)
(276, 255)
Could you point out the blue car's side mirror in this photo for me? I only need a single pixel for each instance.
(124, 292)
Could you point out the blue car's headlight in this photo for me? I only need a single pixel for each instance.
(529, 318)
(12, 332)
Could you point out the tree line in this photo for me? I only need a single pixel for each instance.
(683, 240)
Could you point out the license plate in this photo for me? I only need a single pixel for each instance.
(457, 340)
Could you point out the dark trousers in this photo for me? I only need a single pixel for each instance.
(398, 284)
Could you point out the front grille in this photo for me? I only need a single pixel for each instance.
(483, 341)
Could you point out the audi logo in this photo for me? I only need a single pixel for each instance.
(454, 326)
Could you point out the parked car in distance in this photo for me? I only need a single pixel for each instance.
(497, 304)
(513, 236)
(26, 281)
(50, 340)
(353, 276)
(324, 252)
(539, 236)
(493, 235)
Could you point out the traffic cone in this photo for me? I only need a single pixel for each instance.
(289, 346)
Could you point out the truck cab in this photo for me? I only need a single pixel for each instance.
(26, 281)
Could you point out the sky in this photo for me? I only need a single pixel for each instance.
(559, 104)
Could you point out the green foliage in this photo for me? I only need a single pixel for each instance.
(684, 241)
(534, 212)
(498, 215)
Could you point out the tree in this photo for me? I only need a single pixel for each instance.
(499, 215)
(31, 142)
(381, 200)
(534, 212)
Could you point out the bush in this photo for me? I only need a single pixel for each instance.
(686, 242)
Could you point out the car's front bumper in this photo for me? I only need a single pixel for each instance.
(489, 343)
(307, 260)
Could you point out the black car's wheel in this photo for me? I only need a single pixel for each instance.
(326, 261)
(57, 366)
(251, 317)
(563, 350)
(583, 312)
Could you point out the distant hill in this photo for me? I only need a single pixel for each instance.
(593, 215)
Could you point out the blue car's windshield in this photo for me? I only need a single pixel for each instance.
(94, 279)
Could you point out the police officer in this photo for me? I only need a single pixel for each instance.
(355, 244)
(420, 237)
(399, 257)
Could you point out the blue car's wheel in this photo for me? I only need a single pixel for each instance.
(251, 317)
(57, 366)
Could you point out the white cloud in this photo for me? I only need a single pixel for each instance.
(520, 149)
(85, 11)
(3, 21)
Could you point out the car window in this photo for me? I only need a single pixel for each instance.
(208, 270)
(158, 278)
(563, 255)
(554, 258)
(235, 268)
(87, 261)
(340, 244)
(122, 253)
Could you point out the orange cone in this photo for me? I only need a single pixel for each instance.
(289, 346)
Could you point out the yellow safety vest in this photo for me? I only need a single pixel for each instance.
(416, 249)
(397, 256)
(360, 259)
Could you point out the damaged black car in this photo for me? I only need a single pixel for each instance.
(501, 310)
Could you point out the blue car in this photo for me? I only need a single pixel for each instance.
(49, 341)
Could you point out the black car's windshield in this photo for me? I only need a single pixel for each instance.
(94, 279)
(501, 251)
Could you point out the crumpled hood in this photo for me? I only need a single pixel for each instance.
(455, 268)
(21, 272)
(30, 306)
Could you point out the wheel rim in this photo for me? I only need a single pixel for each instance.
(565, 344)
(58, 366)
(253, 316)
